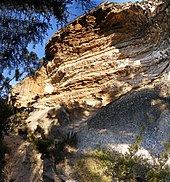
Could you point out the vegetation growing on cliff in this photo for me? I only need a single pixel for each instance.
(5, 112)
(107, 166)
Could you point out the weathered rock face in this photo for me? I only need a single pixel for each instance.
(93, 61)
(30, 87)
(102, 55)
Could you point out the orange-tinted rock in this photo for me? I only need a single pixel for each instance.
(102, 55)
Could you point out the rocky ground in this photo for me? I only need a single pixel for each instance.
(143, 113)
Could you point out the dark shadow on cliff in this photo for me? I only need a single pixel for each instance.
(54, 149)
(144, 105)
(138, 110)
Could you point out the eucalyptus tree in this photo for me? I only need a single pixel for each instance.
(23, 22)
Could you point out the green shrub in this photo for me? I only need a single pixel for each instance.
(131, 167)
(5, 112)
(43, 145)
(53, 146)
(17, 124)
(88, 168)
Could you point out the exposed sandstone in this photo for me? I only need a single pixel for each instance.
(102, 55)
(95, 60)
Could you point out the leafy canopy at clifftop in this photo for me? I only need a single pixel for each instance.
(25, 27)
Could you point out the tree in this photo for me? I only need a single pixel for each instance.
(23, 22)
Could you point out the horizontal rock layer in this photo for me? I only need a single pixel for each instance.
(102, 55)
(92, 61)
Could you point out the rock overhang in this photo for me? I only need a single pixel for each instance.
(103, 54)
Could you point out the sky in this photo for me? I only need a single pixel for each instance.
(40, 48)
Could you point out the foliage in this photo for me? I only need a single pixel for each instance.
(24, 22)
(11, 120)
(167, 145)
(106, 166)
(5, 112)
(132, 167)
(43, 145)
(89, 168)
(17, 123)
(49, 146)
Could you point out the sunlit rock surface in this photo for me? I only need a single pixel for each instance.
(102, 55)
(107, 78)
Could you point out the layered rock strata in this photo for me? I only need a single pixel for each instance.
(102, 55)
(114, 50)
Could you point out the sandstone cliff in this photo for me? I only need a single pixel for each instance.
(102, 55)
(116, 54)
